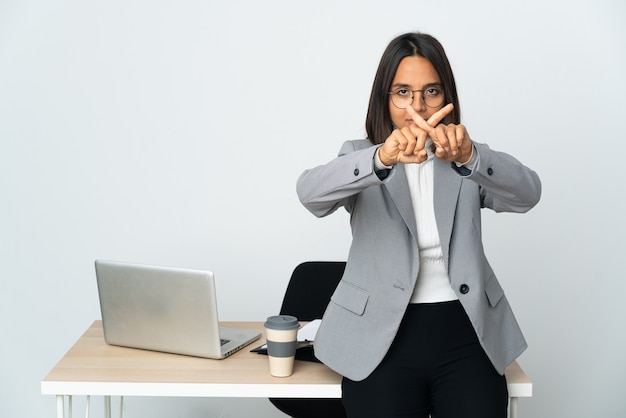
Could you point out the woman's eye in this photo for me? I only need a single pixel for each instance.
(403, 92)
(433, 91)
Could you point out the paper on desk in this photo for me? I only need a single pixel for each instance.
(307, 332)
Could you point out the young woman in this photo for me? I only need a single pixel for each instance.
(419, 324)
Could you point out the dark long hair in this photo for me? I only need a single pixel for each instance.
(378, 122)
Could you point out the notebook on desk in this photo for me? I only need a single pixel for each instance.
(165, 309)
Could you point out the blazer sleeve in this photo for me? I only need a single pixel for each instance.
(325, 188)
(506, 185)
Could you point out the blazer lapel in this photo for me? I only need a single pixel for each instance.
(446, 194)
(398, 188)
(447, 185)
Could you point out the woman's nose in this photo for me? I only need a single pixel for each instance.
(418, 103)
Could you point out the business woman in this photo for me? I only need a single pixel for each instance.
(419, 324)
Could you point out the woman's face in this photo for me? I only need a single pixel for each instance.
(414, 73)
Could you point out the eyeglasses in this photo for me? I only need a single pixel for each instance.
(432, 96)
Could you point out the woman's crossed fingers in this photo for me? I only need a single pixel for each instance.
(407, 145)
(452, 141)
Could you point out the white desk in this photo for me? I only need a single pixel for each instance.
(92, 367)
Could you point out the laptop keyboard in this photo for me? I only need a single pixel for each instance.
(223, 341)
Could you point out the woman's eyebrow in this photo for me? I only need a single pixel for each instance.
(407, 86)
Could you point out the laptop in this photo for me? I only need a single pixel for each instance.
(167, 309)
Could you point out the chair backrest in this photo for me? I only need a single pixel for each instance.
(311, 285)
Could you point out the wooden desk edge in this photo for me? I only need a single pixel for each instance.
(518, 383)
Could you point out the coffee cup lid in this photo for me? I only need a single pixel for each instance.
(282, 322)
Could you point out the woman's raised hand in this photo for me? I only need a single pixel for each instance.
(407, 145)
(452, 142)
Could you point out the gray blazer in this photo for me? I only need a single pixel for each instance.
(365, 311)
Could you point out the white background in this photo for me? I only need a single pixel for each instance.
(173, 132)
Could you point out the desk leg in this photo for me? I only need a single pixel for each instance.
(60, 406)
(512, 407)
(107, 407)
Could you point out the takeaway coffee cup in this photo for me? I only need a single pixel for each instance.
(282, 338)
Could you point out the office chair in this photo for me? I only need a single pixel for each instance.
(309, 290)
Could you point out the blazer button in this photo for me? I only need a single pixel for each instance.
(464, 289)
(490, 171)
(356, 171)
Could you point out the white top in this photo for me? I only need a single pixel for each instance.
(433, 283)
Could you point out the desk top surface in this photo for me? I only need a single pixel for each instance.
(93, 367)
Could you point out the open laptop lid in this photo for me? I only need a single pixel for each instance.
(163, 309)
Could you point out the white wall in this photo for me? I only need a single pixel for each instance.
(173, 133)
